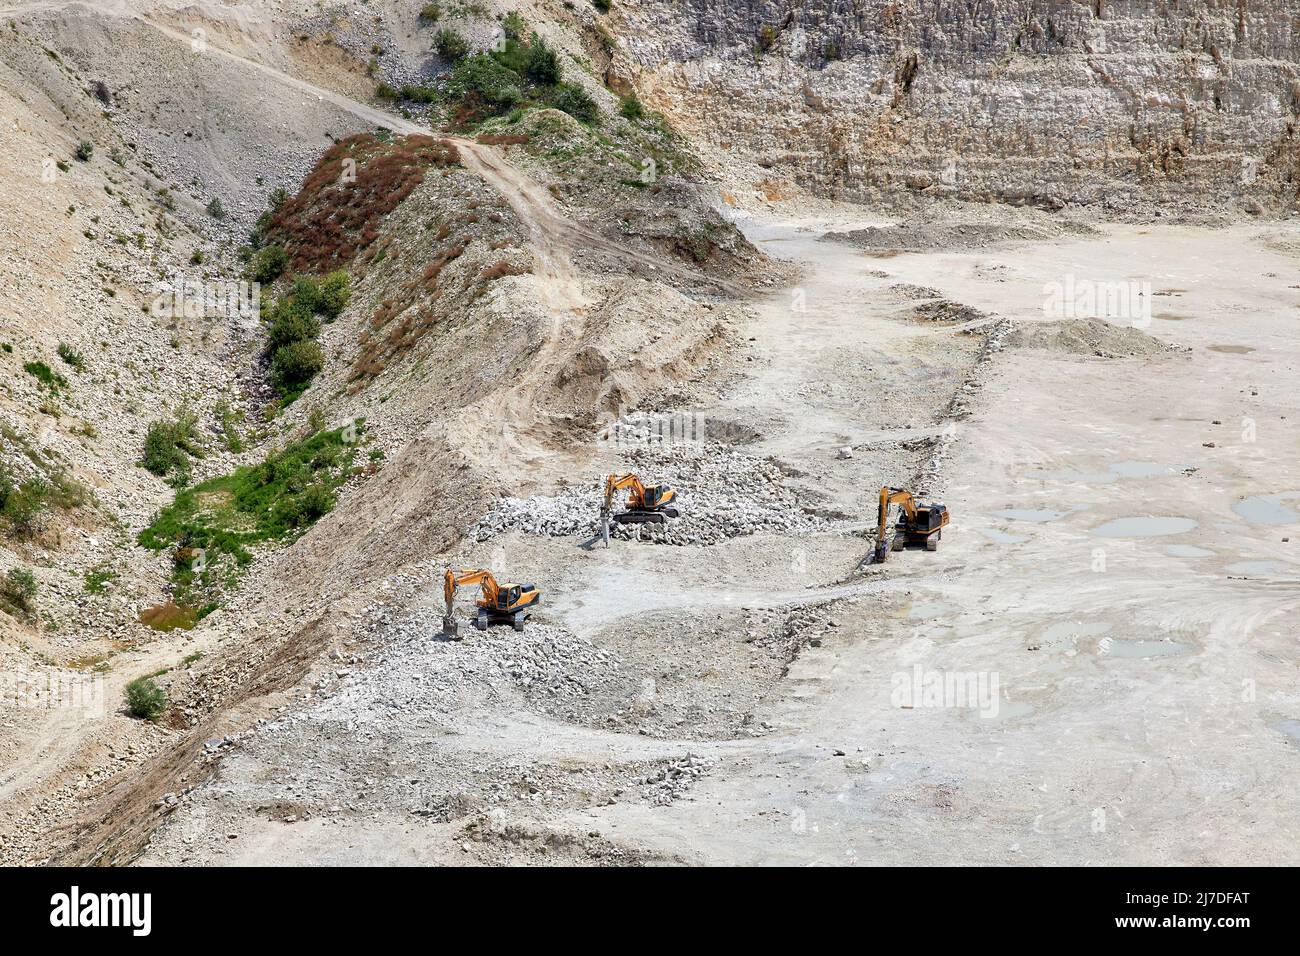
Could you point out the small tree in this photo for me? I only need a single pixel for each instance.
(291, 321)
(19, 588)
(575, 101)
(451, 46)
(296, 364)
(269, 264)
(543, 66)
(335, 293)
(631, 107)
(24, 505)
(145, 699)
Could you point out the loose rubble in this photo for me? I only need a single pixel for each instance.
(721, 494)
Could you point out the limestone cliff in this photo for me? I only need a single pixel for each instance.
(1037, 101)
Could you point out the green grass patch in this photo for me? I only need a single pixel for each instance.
(214, 526)
(98, 579)
(45, 375)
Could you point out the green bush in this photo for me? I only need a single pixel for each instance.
(602, 5)
(482, 76)
(386, 91)
(269, 264)
(168, 445)
(335, 293)
(430, 12)
(451, 46)
(22, 506)
(71, 356)
(305, 293)
(575, 101)
(631, 107)
(513, 25)
(543, 66)
(291, 322)
(304, 509)
(45, 375)
(145, 699)
(296, 364)
(85, 150)
(228, 515)
(216, 210)
(19, 588)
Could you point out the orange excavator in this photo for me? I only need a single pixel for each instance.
(498, 603)
(917, 524)
(646, 504)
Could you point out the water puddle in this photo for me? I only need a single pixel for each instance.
(924, 609)
(1268, 509)
(1144, 527)
(1001, 537)
(1140, 650)
(1232, 349)
(1065, 635)
(1187, 551)
(1141, 469)
(1121, 469)
(1254, 567)
(1289, 728)
(1030, 514)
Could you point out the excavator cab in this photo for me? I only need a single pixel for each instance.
(656, 496)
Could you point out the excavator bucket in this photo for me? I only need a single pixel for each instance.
(450, 627)
(604, 529)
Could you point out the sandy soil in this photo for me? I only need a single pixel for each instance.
(1119, 615)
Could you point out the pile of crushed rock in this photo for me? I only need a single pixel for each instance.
(721, 494)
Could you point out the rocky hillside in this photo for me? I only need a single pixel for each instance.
(1045, 102)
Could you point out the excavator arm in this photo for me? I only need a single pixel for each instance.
(616, 483)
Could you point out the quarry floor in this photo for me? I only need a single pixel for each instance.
(1117, 591)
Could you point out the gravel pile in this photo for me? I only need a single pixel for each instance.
(672, 780)
(417, 670)
(720, 493)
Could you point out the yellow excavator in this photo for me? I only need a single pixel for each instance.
(917, 524)
(646, 504)
(498, 603)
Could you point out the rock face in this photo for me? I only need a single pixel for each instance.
(1042, 102)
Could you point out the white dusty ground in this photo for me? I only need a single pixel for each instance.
(1142, 704)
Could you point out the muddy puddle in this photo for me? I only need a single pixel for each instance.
(1037, 516)
(1121, 469)
(1268, 509)
(1254, 567)
(1140, 649)
(1187, 551)
(1145, 526)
